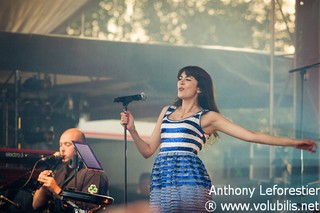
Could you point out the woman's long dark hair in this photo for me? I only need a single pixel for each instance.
(206, 98)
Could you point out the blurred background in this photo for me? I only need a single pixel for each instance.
(63, 62)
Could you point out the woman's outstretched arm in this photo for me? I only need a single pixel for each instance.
(213, 121)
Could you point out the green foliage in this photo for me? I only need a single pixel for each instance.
(236, 23)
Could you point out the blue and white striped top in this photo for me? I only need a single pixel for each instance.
(184, 135)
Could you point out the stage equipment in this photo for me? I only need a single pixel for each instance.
(98, 201)
(87, 157)
(55, 155)
(35, 83)
(17, 181)
(302, 70)
(125, 100)
(17, 162)
(85, 197)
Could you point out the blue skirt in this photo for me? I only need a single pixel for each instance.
(180, 183)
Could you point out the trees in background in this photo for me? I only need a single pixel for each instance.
(236, 23)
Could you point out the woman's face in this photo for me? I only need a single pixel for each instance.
(187, 87)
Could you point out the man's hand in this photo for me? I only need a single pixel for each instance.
(48, 182)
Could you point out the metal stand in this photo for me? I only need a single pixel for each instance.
(6, 142)
(125, 108)
(75, 166)
(4, 129)
(125, 100)
(17, 118)
(17, 205)
(303, 71)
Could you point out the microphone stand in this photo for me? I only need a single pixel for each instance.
(75, 166)
(125, 100)
(125, 108)
(303, 70)
(17, 205)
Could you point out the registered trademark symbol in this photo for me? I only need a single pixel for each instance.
(210, 206)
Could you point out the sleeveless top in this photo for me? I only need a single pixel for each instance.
(182, 135)
(180, 182)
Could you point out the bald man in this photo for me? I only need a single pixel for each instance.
(88, 181)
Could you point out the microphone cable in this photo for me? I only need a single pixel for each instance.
(52, 169)
(32, 172)
(30, 176)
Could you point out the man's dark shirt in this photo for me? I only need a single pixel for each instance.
(86, 181)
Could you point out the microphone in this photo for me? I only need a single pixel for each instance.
(127, 99)
(17, 205)
(54, 156)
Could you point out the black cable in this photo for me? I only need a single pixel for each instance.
(31, 174)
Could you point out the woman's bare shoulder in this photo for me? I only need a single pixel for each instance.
(211, 115)
(210, 118)
(163, 111)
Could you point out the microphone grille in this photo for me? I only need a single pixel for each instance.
(143, 96)
(57, 154)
